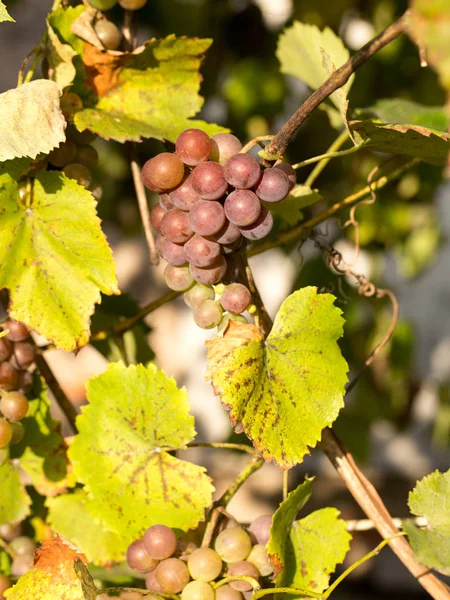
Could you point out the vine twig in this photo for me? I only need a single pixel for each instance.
(368, 525)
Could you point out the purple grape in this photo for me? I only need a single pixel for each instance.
(242, 207)
(206, 217)
(228, 234)
(224, 146)
(156, 215)
(260, 228)
(18, 332)
(175, 226)
(193, 146)
(242, 171)
(274, 185)
(210, 275)
(184, 196)
(171, 253)
(290, 172)
(236, 298)
(201, 252)
(208, 180)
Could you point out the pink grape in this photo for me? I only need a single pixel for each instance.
(242, 171)
(242, 567)
(175, 226)
(274, 185)
(138, 558)
(193, 146)
(290, 172)
(260, 228)
(224, 146)
(160, 541)
(226, 592)
(208, 314)
(178, 278)
(242, 207)
(208, 180)
(210, 275)
(165, 201)
(156, 215)
(235, 298)
(201, 252)
(163, 172)
(228, 234)
(171, 253)
(259, 529)
(206, 217)
(184, 196)
(172, 575)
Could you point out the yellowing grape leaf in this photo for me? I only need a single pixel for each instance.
(54, 257)
(59, 573)
(68, 511)
(32, 122)
(312, 55)
(134, 417)
(290, 208)
(14, 500)
(286, 389)
(431, 499)
(317, 544)
(4, 16)
(60, 60)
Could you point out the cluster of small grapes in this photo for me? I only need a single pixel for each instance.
(107, 31)
(22, 549)
(210, 197)
(174, 567)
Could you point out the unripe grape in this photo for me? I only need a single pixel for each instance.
(96, 190)
(224, 145)
(198, 590)
(233, 544)
(260, 228)
(198, 293)
(64, 154)
(193, 146)
(163, 172)
(242, 171)
(204, 564)
(290, 172)
(102, 4)
(156, 216)
(242, 207)
(14, 406)
(80, 173)
(108, 33)
(172, 575)
(208, 314)
(226, 592)
(132, 4)
(9, 377)
(138, 558)
(82, 138)
(160, 541)
(201, 252)
(259, 529)
(70, 103)
(23, 546)
(208, 180)
(5, 433)
(178, 279)
(210, 275)
(87, 156)
(18, 332)
(242, 567)
(259, 557)
(175, 226)
(18, 432)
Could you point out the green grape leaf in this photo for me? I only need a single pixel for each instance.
(55, 233)
(429, 27)
(282, 521)
(430, 145)
(316, 545)
(59, 573)
(134, 416)
(5, 563)
(150, 93)
(60, 60)
(400, 111)
(290, 209)
(16, 168)
(32, 122)
(286, 389)
(66, 512)
(42, 452)
(312, 55)
(14, 500)
(431, 499)
(4, 16)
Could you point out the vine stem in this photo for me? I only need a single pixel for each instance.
(338, 78)
(368, 525)
(224, 446)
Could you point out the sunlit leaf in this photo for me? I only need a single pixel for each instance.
(60, 60)
(4, 16)
(401, 111)
(14, 500)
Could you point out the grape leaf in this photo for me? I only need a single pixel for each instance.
(4, 16)
(135, 415)
(431, 499)
(100, 546)
(429, 27)
(14, 500)
(42, 452)
(59, 573)
(398, 110)
(32, 122)
(312, 55)
(282, 521)
(56, 235)
(316, 545)
(430, 145)
(283, 390)
(5, 563)
(60, 60)
(289, 209)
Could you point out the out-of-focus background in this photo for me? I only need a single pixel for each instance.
(397, 419)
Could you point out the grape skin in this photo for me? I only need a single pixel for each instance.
(175, 226)
(102, 4)
(17, 331)
(206, 217)
(14, 406)
(9, 377)
(132, 4)
(201, 252)
(260, 228)
(178, 279)
(259, 529)
(208, 180)
(198, 590)
(23, 546)
(242, 171)
(204, 564)
(242, 207)
(6, 583)
(165, 201)
(290, 172)
(24, 355)
(171, 253)
(224, 146)
(198, 293)
(6, 349)
(229, 317)
(259, 557)
(209, 275)
(208, 314)
(236, 298)
(156, 216)
(172, 575)
(160, 541)
(109, 34)
(5, 433)
(184, 196)
(233, 544)
(163, 172)
(193, 146)
(226, 592)
(228, 234)
(18, 432)
(63, 155)
(138, 558)
(242, 567)
(151, 583)
(274, 185)
(80, 173)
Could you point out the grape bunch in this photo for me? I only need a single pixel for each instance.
(21, 547)
(210, 197)
(173, 566)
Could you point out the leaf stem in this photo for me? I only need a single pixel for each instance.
(332, 152)
(338, 78)
(286, 590)
(285, 484)
(223, 445)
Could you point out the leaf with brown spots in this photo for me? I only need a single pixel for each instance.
(135, 416)
(286, 389)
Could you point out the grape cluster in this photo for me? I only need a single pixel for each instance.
(210, 197)
(17, 355)
(177, 567)
(21, 547)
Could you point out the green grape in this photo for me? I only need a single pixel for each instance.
(178, 278)
(102, 4)
(132, 4)
(233, 544)
(259, 557)
(6, 433)
(63, 155)
(204, 564)
(14, 406)
(87, 156)
(226, 592)
(70, 103)
(18, 432)
(208, 314)
(109, 34)
(198, 293)
(23, 546)
(78, 172)
(198, 590)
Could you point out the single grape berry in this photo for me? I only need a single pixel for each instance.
(209, 275)
(171, 253)
(25, 384)
(18, 432)
(172, 575)
(224, 146)
(156, 215)
(138, 559)
(233, 544)
(290, 172)
(64, 154)
(102, 4)
(9, 377)
(198, 590)
(151, 584)
(24, 355)
(242, 567)
(175, 226)
(165, 201)
(87, 156)
(160, 541)
(242, 207)
(163, 172)
(204, 564)
(207, 217)
(208, 180)
(132, 4)
(259, 557)
(108, 33)
(201, 252)
(274, 185)
(199, 292)
(226, 592)
(193, 146)
(242, 171)
(9, 531)
(236, 298)
(259, 529)
(228, 234)
(23, 546)
(6, 349)
(5, 433)
(184, 196)
(208, 314)
(260, 228)
(178, 278)
(80, 173)
(20, 565)
(14, 406)
(18, 332)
